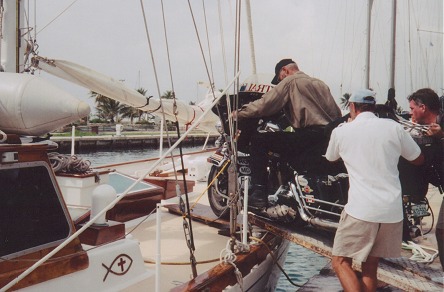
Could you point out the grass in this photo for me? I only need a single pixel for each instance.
(79, 133)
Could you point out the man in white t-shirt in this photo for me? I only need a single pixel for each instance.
(371, 223)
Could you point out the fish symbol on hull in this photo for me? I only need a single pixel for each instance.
(122, 262)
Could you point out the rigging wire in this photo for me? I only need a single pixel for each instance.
(168, 52)
(201, 49)
(60, 14)
(233, 193)
(233, 124)
(222, 41)
(2, 10)
(172, 88)
(31, 42)
(35, 20)
(208, 41)
(188, 231)
(203, 57)
(155, 75)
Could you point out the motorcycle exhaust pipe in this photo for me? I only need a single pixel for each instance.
(323, 223)
(315, 221)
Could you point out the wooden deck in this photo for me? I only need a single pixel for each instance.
(400, 273)
(223, 275)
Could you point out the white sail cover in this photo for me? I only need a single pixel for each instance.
(109, 87)
(30, 105)
(95, 81)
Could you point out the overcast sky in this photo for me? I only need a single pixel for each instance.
(325, 37)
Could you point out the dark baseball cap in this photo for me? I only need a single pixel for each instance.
(278, 68)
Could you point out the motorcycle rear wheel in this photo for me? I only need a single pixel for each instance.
(218, 193)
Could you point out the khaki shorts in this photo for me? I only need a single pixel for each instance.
(359, 239)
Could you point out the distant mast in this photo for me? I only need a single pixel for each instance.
(393, 47)
(250, 33)
(367, 56)
(11, 42)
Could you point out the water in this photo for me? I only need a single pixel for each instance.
(98, 158)
(301, 264)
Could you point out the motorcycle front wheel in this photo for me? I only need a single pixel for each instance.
(218, 192)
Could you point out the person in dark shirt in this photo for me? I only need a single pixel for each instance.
(425, 109)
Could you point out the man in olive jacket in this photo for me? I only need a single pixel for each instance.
(308, 105)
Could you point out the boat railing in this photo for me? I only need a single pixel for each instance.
(114, 202)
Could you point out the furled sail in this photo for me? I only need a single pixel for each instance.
(31, 105)
(109, 87)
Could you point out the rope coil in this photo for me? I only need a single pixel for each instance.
(419, 252)
(68, 164)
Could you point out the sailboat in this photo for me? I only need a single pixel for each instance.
(93, 231)
(114, 260)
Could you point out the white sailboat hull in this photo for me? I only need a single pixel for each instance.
(175, 255)
(105, 271)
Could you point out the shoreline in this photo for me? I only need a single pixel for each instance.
(127, 141)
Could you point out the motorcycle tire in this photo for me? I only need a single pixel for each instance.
(218, 192)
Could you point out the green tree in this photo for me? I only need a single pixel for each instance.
(344, 100)
(107, 108)
(132, 112)
(169, 94)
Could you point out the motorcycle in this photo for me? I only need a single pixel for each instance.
(296, 197)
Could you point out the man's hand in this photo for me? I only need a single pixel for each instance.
(234, 115)
(435, 130)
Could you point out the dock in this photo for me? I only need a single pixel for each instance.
(127, 141)
(400, 273)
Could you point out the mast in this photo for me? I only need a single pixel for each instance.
(17, 34)
(367, 56)
(393, 47)
(250, 34)
(12, 50)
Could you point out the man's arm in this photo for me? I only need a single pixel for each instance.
(410, 149)
(269, 104)
(332, 153)
(417, 161)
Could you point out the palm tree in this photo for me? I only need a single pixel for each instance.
(168, 94)
(344, 100)
(106, 107)
(132, 112)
